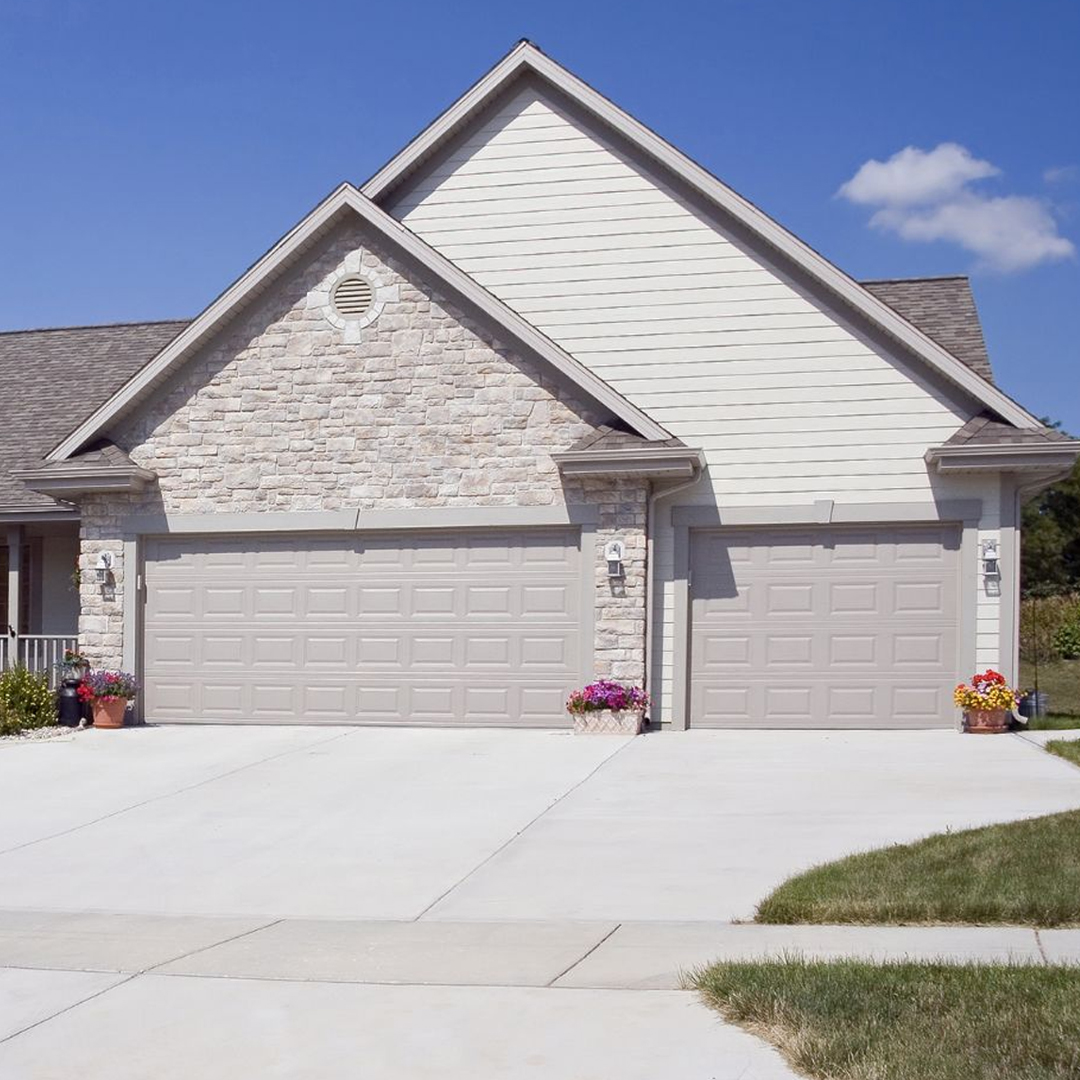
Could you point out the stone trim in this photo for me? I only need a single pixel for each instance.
(382, 294)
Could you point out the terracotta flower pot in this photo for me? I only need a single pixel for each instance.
(109, 712)
(986, 721)
(609, 722)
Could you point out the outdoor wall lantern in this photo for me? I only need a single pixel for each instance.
(990, 561)
(613, 552)
(103, 567)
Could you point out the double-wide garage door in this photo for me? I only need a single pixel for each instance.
(464, 627)
(826, 626)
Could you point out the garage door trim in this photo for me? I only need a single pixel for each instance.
(964, 514)
(583, 529)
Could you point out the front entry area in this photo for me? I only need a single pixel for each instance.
(472, 627)
(824, 626)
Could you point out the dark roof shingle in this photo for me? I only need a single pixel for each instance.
(52, 380)
(944, 309)
(609, 438)
(986, 430)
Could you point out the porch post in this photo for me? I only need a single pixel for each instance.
(14, 603)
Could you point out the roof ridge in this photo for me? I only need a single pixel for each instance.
(92, 326)
(923, 277)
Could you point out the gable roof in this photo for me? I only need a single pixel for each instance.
(526, 58)
(51, 379)
(345, 200)
(944, 309)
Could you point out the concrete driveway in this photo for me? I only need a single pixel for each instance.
(285, 901)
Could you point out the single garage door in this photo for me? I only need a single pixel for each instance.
(468, 627)
(824, 627)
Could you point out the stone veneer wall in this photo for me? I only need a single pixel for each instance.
(281, 411)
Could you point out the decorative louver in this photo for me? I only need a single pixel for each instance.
(352, 297)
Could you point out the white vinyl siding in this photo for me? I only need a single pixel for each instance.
(789, 402)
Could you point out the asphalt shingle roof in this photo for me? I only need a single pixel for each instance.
(944, 309)
(52, 380)
(608, 438)
(987, 430)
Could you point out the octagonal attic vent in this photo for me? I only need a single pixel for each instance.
(352, 297)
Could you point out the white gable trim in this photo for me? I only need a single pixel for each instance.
(294, 243)
(526, 57)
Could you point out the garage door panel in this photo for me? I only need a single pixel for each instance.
(432, 629)
(858, 629)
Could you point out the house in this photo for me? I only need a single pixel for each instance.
(542, 400)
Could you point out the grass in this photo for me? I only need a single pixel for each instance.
(853, 1020)
(1053, 722)
(1069, 749)
(1024, 872)
(1060, 679)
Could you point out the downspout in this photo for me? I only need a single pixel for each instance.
(650, 582)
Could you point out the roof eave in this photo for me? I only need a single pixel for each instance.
(1003, 457)
(66, 483)
(525, 56)
(658, 462)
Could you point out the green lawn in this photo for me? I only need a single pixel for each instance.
(1061, 681)
(850, 1020)
(1053, 723)
(1024, 872)
(1069, 749)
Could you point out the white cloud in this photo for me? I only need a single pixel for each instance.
(912, 176)
(1062, 174)
(928, 195)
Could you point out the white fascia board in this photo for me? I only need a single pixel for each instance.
(526, 56)
(1003, 457)
(643, 461)
(255, 279)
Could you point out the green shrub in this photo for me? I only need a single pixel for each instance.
(1067, 640)
(26, 701)
(1042, 618)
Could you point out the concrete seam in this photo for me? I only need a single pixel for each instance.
(1041, 748)
(73, 1005)
(212, 945)
(1042, 950)
(387, 982)
(585, 955)
(528, 825)
(132, 975)
(170, 794)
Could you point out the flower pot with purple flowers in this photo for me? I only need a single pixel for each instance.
(109, 694)
(608, 708)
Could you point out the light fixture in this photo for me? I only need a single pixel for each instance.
(103, 567)
(613, 552)
(990, 560)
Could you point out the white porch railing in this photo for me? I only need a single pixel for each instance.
(38, 652)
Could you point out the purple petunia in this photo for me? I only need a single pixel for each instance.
(605, 694)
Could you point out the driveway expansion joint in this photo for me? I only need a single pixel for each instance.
(524, 829)
(585, 955)
(169, 794)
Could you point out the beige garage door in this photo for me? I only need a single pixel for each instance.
(824, 627)
(454, 628)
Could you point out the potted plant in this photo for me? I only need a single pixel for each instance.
(987, 702)
(109, 694)
(74, 665)
(607, 708)
(70, 671)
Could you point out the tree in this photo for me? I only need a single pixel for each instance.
(1050, 548)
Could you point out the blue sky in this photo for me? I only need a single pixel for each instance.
(149, 152)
